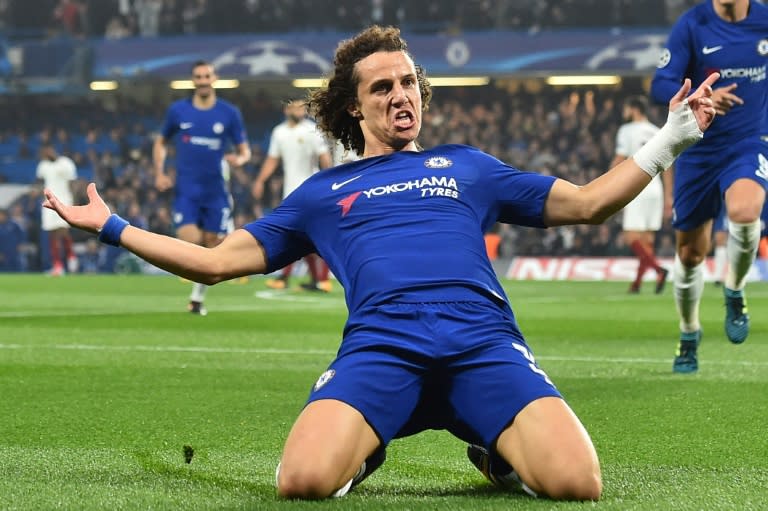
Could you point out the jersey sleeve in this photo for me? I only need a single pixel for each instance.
(71, 169)
(622, 142)
(674, 63)
(321, 145)
(515, 197)
(281, 233)
(171, 124)
(274, 143)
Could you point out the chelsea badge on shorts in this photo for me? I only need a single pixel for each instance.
(324, 378)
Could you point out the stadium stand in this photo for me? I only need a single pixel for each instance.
(117, 19)
(566, 132)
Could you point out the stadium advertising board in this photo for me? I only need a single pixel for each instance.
(295, 55)
(602, 268)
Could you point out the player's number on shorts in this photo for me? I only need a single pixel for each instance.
(225, 213)
(531, 361)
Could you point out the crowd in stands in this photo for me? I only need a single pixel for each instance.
(567, 133)
(150, 18)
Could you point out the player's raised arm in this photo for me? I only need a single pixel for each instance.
(238, 255)
(594, 202)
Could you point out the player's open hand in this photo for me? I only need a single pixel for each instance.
(700, 101)
(163, 182)
(724, 99)
(90, 217)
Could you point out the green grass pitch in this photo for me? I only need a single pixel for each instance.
(105, 379)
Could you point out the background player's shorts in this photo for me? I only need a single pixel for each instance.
(211, 214)
(50, 220)
(460, 366)
(646, 211)
(701, 180)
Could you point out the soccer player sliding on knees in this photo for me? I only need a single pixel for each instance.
(431, 341)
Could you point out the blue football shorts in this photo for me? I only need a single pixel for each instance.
(457, 366)
(210, 214)
(701, 181)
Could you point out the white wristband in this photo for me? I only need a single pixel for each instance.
(679, 132)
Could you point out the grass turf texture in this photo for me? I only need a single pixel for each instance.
(105, 379)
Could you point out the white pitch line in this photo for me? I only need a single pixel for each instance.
(282, 296)
(284, 299)
(252, 307)
(167, 349)
(279, 351)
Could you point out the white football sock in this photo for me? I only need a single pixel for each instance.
(198, 292)
(742, 248)
(721, 261)
(689, 285)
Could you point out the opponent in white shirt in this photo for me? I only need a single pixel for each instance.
(298, 145)
(57, 173)
(643, 216)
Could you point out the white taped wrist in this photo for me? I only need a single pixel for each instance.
(679, 132)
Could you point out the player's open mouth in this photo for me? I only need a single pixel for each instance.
(404, 119)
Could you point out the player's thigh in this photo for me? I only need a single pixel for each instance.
(360, 402)
(744, 200)
(190, 233)
(495, 381)
(326, 446)
(551, 450)
(697, 195)
(211, 239)
(744, 180)
(382, 383)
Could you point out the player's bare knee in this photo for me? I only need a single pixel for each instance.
(304, 482)
(690, 256)
(744, 213)
(585, 484)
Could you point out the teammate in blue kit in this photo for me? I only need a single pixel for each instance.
(431, 341)
(203, 125)
(730, 164)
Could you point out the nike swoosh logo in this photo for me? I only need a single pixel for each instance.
(707, 50)
(185, 125)
(336, 186)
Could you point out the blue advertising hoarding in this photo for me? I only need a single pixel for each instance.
(310, 55)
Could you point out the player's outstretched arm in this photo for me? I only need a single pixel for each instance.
(238, 255)
(593, 203)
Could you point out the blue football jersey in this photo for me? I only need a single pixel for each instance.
(201, 140)
(407, 226)
(700, 43)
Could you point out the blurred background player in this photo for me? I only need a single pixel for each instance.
(730, 163)
(302, 150)
(57, 172)
(644, 215)
(11, 237)
(202, 208)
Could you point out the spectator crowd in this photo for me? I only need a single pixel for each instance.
(566, 133)
(150, 18)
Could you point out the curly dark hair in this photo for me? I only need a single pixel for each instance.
(330, 105)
